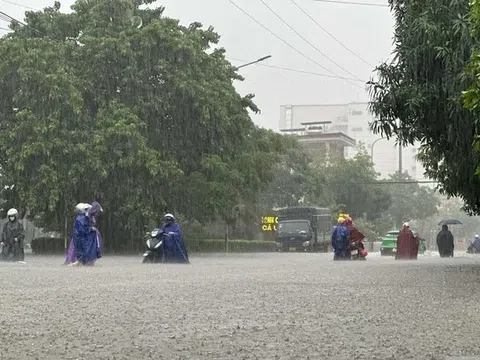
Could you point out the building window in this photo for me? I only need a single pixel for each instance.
(355, 112)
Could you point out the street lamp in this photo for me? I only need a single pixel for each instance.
(253, 62)
(371, 150)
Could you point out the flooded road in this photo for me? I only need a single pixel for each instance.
(262, 306)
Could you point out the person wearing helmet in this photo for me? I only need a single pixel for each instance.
(476, 243)
(173, 243)
(71, 258)
(407, 244)
(340, 240)
(355, 236)
(86, 236)
(13, 236)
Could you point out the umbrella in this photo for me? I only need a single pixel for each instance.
(450, 222)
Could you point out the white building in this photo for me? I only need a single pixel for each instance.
(353, 119)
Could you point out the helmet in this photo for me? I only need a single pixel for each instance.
(406, 224)
(169, 218)
(476, 236)
(12, 214)
(81, 207)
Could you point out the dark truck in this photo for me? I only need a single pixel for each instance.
(304, 228)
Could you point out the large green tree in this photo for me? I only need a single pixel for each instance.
(418, 95)
(410, 201)
(352, 186)
(123, 105)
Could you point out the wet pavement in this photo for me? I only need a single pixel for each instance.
(261, 306)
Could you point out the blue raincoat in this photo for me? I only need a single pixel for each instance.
(174, 250)
(340, 241)
(86, 237)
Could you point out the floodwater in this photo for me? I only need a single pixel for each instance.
(261, 306)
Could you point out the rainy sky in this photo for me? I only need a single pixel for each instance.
(364, 30)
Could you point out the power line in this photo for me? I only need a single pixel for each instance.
(18, 4)
(288, 44)
(299, 71)
(352, 3)
(8, 18)
(306, 40)
(331, 35)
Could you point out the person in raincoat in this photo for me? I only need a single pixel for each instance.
(407, 244)
(13, 236)
(174, 250)
(71, 257)
(445, 242)
(355, 236)
(340, 240)
(476, 243)
(87, 238)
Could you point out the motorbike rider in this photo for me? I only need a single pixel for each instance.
(476, 243)
(340, 240)
(355, 236)
(12, 240)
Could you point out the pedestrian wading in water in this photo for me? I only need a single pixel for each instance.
(13, 237)
(87, 240)
(445, 242)
(407, 244)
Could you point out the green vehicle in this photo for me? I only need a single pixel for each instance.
(389, 244)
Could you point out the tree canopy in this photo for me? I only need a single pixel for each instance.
(126, 106)
(418, 95)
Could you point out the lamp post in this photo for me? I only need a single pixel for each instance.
(253, 62)
(371, 150)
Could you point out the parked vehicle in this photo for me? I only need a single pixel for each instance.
(304, 228)
(153, 243)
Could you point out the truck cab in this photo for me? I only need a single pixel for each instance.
(303, 228)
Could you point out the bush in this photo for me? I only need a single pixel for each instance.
(48, 245)
(234, 246)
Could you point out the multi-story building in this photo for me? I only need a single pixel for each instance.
(354, 121)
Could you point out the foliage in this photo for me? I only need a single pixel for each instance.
(352, 188)
(295, 181)
(418, 95)
(48, 246)
(472, 95)
(143, 118)
(410, 201)
(334, 182)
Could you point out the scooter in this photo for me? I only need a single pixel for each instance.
(154, 251)
(357, 251)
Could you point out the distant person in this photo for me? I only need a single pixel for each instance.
(407, 244)
(13, 237)
(476, 243)
(340, 240)
(445, 242)
(87, 238)
(174, 250)
(71, 257)
(355, 236)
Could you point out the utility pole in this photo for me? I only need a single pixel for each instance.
(400, 170)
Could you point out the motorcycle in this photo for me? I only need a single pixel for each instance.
(357, 251)
(472, 250)
(154, 243)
